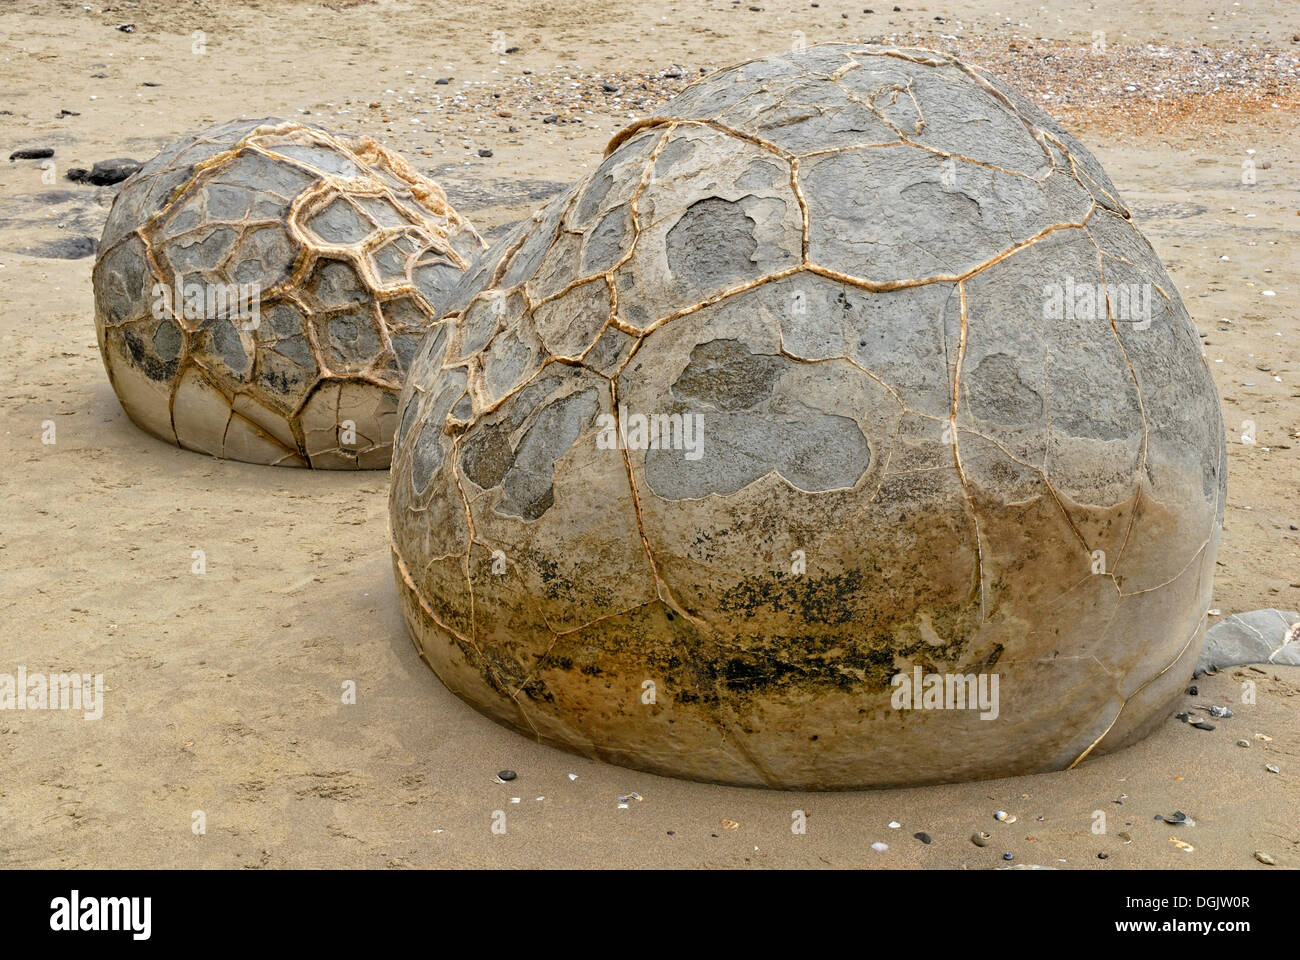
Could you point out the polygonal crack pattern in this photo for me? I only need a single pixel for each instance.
(262, 288)
(890, 304)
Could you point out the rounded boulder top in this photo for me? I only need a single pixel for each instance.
(838, 430)
(261, 287)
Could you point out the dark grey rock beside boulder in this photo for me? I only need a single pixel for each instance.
(105, 172)
(1257, 636)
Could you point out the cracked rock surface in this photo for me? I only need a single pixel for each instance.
(834, 262)
(345, 252)
(1256, 636)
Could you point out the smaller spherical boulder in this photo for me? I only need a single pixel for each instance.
(261, 288)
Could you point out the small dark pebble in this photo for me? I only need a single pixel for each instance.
(443, 81)
(672, 833)
(151, 83)
(923, 837)
(528, 71)
(1008, 856)
(32, 153)
(484, 152)
(125, 27)
(1192, 690)
(1202, 725)
(507, 774)
(673, 73)
(66, 113)
(1103, 856)
(512, 49)
(609, 87)
(551, 119)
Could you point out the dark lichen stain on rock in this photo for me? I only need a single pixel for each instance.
(606, 650)
(809, 662)
(154, 368)
(826, 599)
(798, 662)
(859, 656)
(561, 587)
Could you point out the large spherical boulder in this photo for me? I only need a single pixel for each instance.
(838, 430)
(261, 288)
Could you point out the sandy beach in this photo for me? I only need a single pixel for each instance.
(222, 689)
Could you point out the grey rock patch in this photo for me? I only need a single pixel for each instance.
(527, 481)
(1257, 636)
(713, 239)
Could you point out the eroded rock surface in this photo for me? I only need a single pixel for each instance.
(262, 287)
(824, 282)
